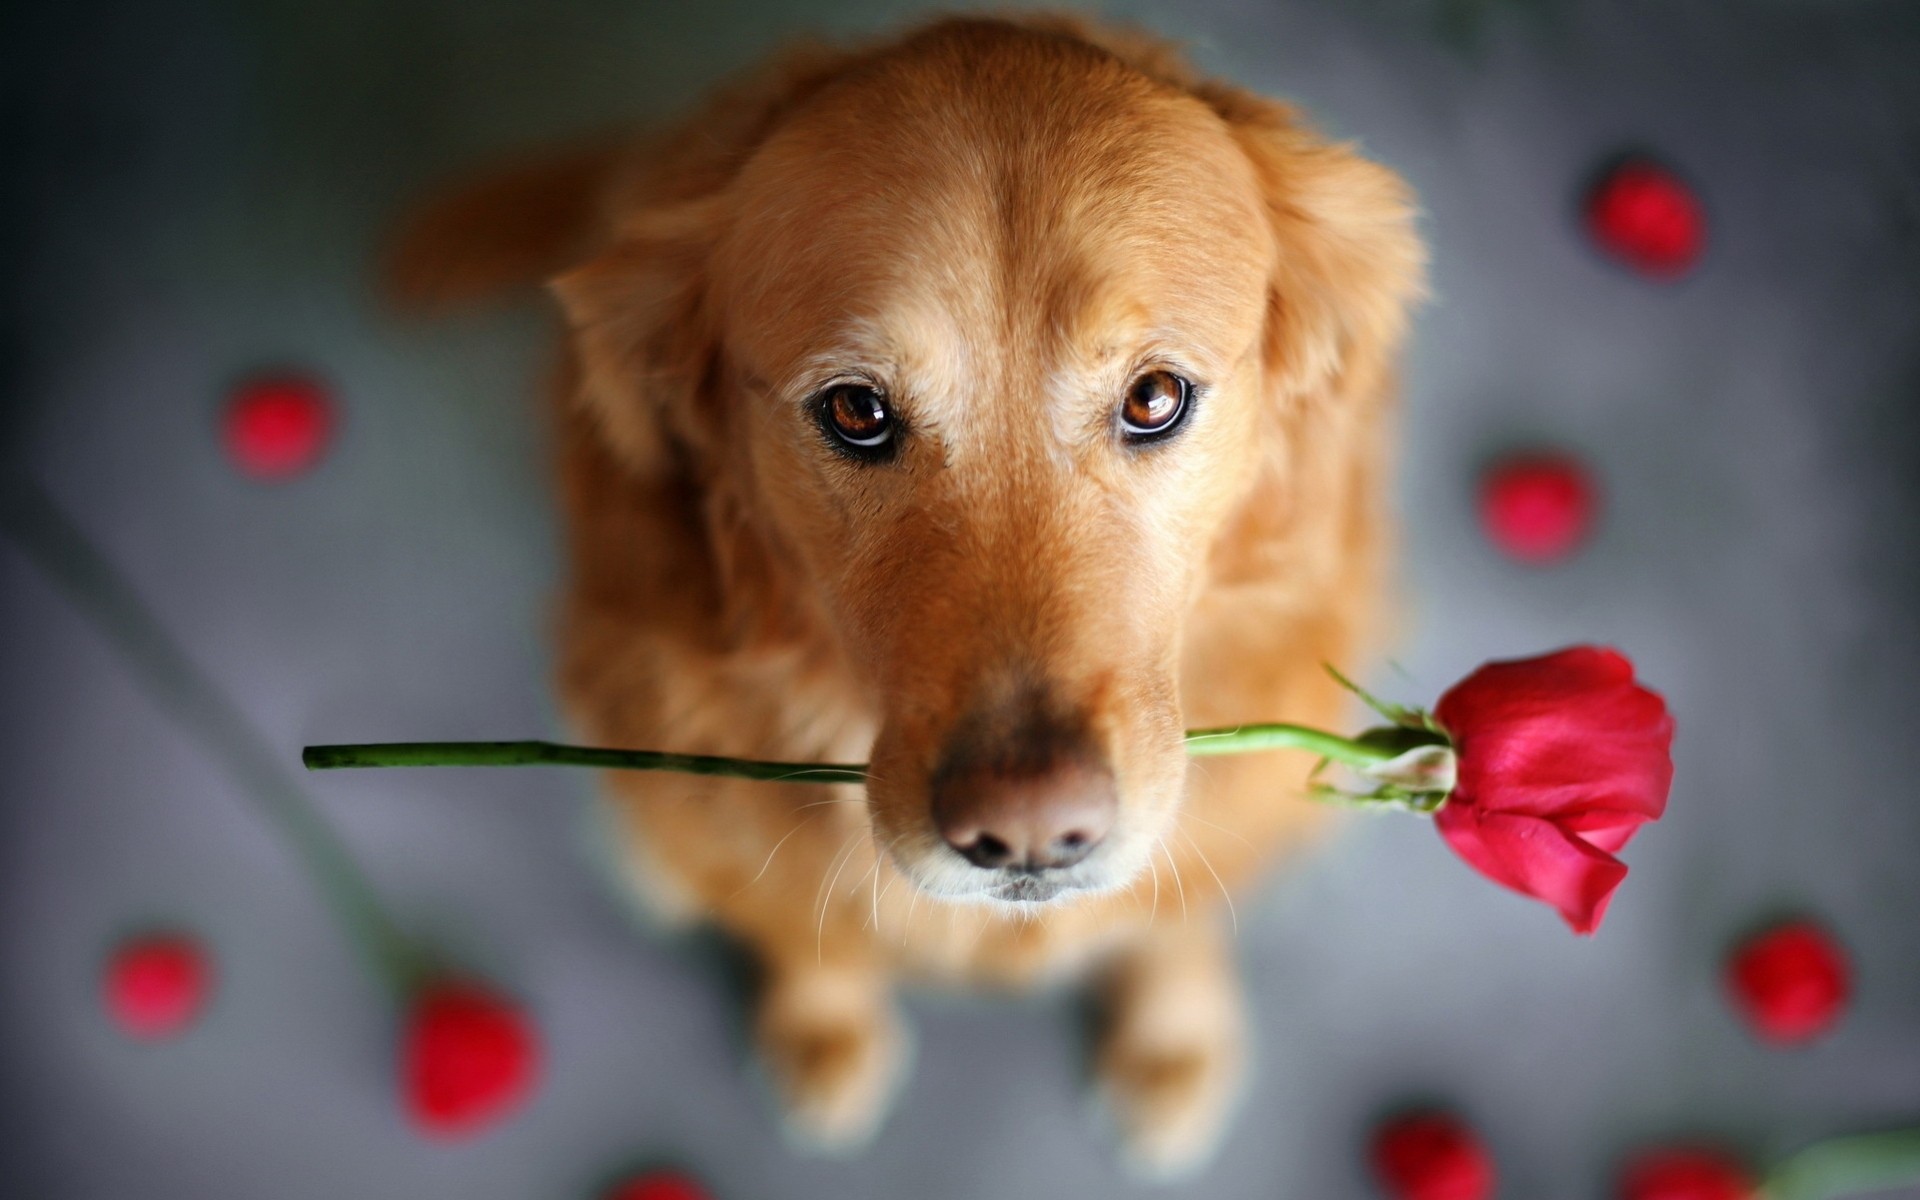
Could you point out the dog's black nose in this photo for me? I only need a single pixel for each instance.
(1025, 817)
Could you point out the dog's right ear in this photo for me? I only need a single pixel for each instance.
(644, 338)
(644, 332)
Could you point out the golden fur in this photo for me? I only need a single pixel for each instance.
(1002, 220)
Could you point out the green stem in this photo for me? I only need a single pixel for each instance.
(63, 552)
(1243, 739)
(1846, 1166)
(1239, 739)
(552, 754)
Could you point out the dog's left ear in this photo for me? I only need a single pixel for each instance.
(1349, 263)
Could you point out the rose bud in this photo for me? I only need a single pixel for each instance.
(1644, 216)
(156, 986)
(1431, 1156)
(1560, 760)
(1685, 1173)
(468, 1058)
(1791, 983)
(658, 1185)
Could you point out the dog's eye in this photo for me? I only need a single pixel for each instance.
(858, 418)
(1156, 404)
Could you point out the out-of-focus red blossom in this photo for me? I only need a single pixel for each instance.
(278, 426)
(469, 1058)
(1562, 758)
(1685, 1173)
(1645, 216)
(157, 985)
(1791, 983)
(1537, 507)
(658, 1185)
(1431, 1156)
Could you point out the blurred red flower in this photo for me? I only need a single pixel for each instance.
(1561, 759)
(1791, 983)
(658, 1185)
(1685, 1173)
(157, 985)
(278, 426)
(1431, 1156)
(1646, 217)
(469, 1058)
(1538, 508)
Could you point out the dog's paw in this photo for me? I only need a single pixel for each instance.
(1170, 1104)
(835, 1075)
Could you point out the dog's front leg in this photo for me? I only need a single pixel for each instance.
(829, 1035)
(1172, 1051)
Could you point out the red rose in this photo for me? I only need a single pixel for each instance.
(1791, 983)
(1685, 1173)
(1561, 759)
(468, 1058)
(157, 985)
(1431, 1156)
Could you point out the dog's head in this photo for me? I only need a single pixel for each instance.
(980, 345)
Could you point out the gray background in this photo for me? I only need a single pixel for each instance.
(195, 190)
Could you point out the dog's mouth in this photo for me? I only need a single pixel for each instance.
(1028, 889)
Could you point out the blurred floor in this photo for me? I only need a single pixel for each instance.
(196, 190)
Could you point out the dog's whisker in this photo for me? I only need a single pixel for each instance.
(821, 803)
(893, 877)
(824, 897)
(776, 849)
(1232, 833)
(1178, 884)
(1154, 868)
(878, 856)
(913, 902)
(986, 918)
(1232, 916)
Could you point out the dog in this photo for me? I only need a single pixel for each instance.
(990, 403)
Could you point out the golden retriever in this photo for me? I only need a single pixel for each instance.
(993, 403)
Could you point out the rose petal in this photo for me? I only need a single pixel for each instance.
(1535, 858)
(1559, 735)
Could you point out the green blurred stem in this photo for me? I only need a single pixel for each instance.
(58, 547)
(1240, 739)
(1847, 1166)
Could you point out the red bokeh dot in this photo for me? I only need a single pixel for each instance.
(1685, 1173)
(469, 1058)
(1538, 508)
(1791, 983)
(1646, 217)
(157, 985)
(278, 426)
(1431, 1156)
(658, 1185)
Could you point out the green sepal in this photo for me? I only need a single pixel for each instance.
(1384, 796)
(1399, 714)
